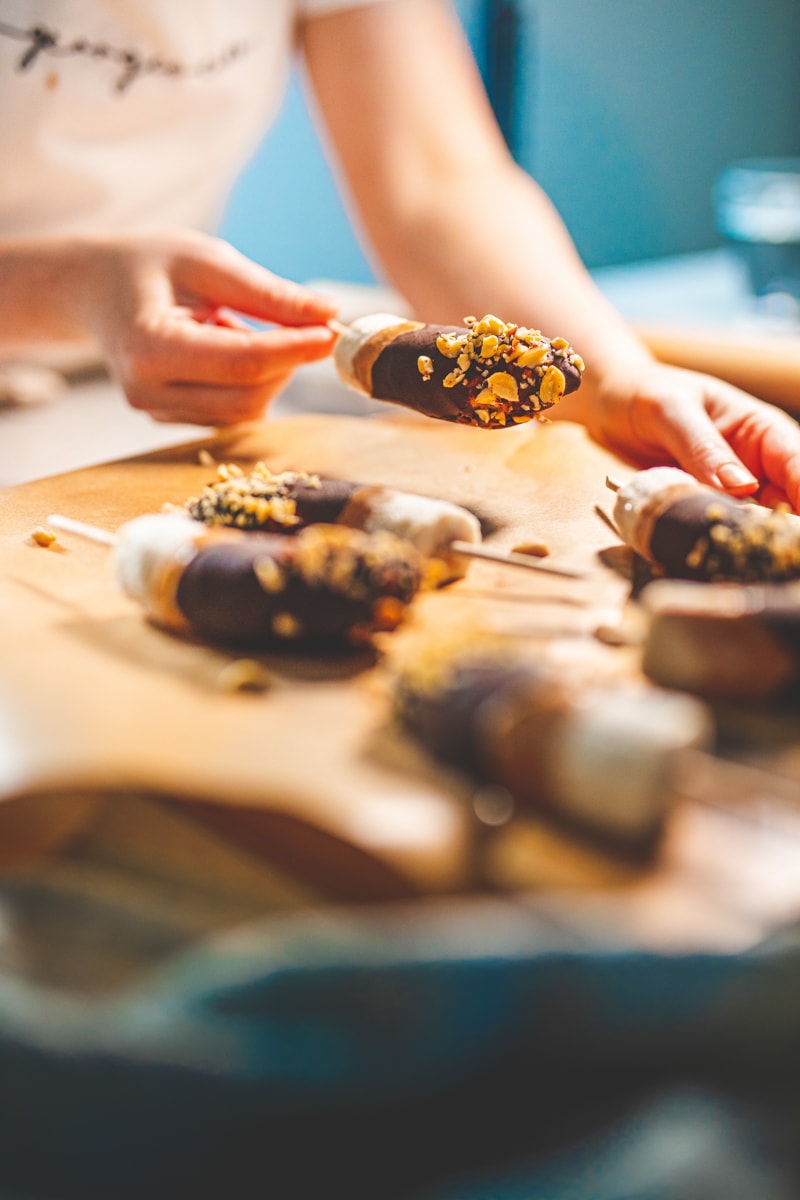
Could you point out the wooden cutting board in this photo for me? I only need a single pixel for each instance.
(312, 775)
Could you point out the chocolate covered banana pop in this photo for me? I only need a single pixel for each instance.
(291, 500)
(487, 372)
(694, 532)
(724, 642)
(598, 757)
(327, 584)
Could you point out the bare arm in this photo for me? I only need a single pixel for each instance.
(459, 228)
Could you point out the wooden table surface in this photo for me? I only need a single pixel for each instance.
(311, 776)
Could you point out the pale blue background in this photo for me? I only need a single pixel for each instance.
(625, 112)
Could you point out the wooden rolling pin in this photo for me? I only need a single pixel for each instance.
(765, 364)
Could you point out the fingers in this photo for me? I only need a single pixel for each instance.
(219, 354)
(196, 404)
(734, 442)
(702, 450)
(179, 351)
(212, 374)
(229, 279)
(765, 438)
(771, 496)
(782, 467)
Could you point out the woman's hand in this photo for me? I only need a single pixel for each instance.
(653, 414)
(163, 309)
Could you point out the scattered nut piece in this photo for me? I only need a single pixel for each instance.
(43, 537)
(534, 549)
(205, 458)
(245, 675)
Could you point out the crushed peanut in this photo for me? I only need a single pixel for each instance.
(245, 675)
(286, 626)
(747, 544)
(361, 566)
(260, 500)
(269, 575)
(43, 537)
(534, 549)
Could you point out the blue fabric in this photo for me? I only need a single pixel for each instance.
(325, 1054)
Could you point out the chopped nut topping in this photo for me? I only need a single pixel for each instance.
(362, 566)
(746, 544)
(269, 575)
(532, 357)
(260, 500)
(491, 324)
(503, 385)
(552, 386)
(527, 374)
(286, 626)
(450, 345)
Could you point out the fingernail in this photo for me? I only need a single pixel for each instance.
(734, 475)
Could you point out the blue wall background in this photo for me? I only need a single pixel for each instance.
(624, 110)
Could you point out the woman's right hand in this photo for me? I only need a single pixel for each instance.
(164, 310)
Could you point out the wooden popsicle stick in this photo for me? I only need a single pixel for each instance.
(509, 559)
(92, 533)
(606, 519)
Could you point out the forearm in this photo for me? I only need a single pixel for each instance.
(40, 289)
(457, 227)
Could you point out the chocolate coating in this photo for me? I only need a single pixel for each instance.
(223, 596)
(312, 502)
(324, 504)
(396, 377)
(733, 644)
(445, 719)
(705, 537)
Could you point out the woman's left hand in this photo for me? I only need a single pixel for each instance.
(653, 414)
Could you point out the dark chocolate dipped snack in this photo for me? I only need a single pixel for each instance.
(599, 758)
(722, 642)
(288, 501)
(693, 532)
(327, 584)
(268, 501)
(486, 373)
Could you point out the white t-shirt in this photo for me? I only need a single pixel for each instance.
(121, 115)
